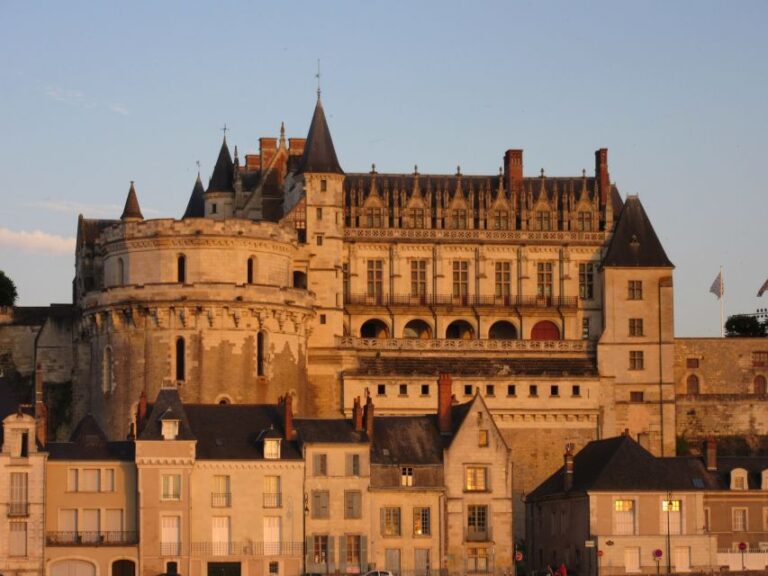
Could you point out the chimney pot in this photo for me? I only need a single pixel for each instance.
(288, 416)
(369, 417)
(710, 453)
(444, 402)
(568, 459)
(357, 415)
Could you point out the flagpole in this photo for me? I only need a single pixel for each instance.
(722, 304)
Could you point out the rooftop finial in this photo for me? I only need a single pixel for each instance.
(542, 172)
(224, 129)
(282, 134)
(198, 167)
(415, 168)
(318, 79)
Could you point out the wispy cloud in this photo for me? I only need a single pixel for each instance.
(88, 210)
(78, 98)
(36, 241)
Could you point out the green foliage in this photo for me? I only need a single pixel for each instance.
(744, 325)
(8, 294)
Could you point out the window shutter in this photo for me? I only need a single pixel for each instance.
(348, 466)
(383, 520)
(342, 554)
(331, 554)
(308, 554)
(356, 504)
(364, 553)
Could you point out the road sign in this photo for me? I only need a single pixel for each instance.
(658, 553)
(518, 556)
(742, 546)
(589, 544)
(600, 553)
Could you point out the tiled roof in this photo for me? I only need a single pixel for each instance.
(634, 242)
(426, 366)
(131, 209)
(88, 442)
(196, 204)
(319, 153)
(222, 179)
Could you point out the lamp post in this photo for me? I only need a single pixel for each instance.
(669, 543)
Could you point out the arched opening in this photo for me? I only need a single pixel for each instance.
(120, 272)
(250, 270)
(123, 568)
(417, 329)
(374, 329)
(692, 384)
(545, 330)
(300, 279)
(108, 374)
(181, 269)
(180, 359)
(223, 400)
(459, 330)
(502, 330)
(760, 385)
(260, 347)
(73, 568)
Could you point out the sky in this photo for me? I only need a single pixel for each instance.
(96, 94)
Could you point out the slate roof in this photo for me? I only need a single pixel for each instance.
(88, 229)
(634, 242)
(167, 399)
(88, 442)
(425, 366)
(754, 465)
(196, 204)
(329, 431)
(621, 464)
(37, 315)
(223, 177)
(319, 153)
(131, 209)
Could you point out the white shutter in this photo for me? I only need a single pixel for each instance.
(272, 535)
(170, 532)
(67, 520)
(632, 559)
(89, 480)
(682, 559)
(90, 525)
(220, 535)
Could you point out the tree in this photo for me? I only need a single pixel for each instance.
(744, 325)
(8, 294)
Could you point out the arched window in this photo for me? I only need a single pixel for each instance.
(181, 269)
(108, 375)
(374, 329)
(502, 330)
(123, 568)
(692, 384)
(250, 270)
(417, 329)
(260, 345)
(73, 568)
(760, 385)
(545, 330)
(120, 272)
(459, 330)
(180, 359)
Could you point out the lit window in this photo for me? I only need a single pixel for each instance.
(624, 516)
(671, 517)
(421, 522)
(482, 437)
(476, 479)
(272, 449)
(390, 521)
(406, 476)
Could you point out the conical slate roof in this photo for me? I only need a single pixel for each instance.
(319, 153)
(223, 177)
(132, 210)
(634, 242)
(196, 204)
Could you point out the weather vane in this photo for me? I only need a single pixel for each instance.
(318, 78)
(224, 130)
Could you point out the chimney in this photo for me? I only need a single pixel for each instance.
(444, 401)
(296, 146)
(41, 411)
(357, 415)
(267, 151)
(141, 412)
(601, 174)
(288, 416)
(568, 476)
(710, 450)
(369, 417)
(513, 170)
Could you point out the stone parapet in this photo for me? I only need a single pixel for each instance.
(447, 235)
(581, 347)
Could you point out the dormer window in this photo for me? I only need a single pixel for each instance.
(170, 429)
(764, 480)
(739, 479)
(272, 448)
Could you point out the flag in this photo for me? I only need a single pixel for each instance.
(718, 286)
(763, 289)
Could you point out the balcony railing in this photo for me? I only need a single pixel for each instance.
(247, 549)
(477, 534)
(221, 499)
(18, 509)
(573, 346)
(170, 548)
(473, 235)
(473, 300)
(91, 538)
(273, 500)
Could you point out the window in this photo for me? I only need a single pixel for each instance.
(214, 208)
(108, 374)
(490, 390)
(461, 280)
(671, 516)
(220, 494)
(180, 352)
(738, 479)
(691, 363)
(274, 567)
(586, 281)
(406, 476)
(319, 213)
(533, 390)
(624, 517)
(544, 279)
(18, 505)
(760, 385)
(353, 464)
(467, 389)
(320, 465)
(554, 390)
(376, 280)
(739, 520)
(89, 480)
(373, 217)
(272, 492)
(72, 480)
(320, 500)
(323, 319)
(181, 269)
(477, 560)
(403, 390)
(354, 552)
(417, 218)
(249, 271)
(585, 328)
(635, 290)
(170, 535)
(504, 280)
(576, 390)
(584, 222)
(635, 326)
(170, 429)
(390, 521)
(272, 448)
(425, 389)
(171, 486)
(692, 384)
(319, 239)
(320, 549)
(636, 397)
(482, 438)
(17, 544)
(636, 360)
(108, 480)
(458, 219)
(422, 525)
(381, 389)
(543, 221)
(353, 500)
(345, 281)
(323, 185)
(418, 278)
(500, 219)
(477, 521)
(260, 353)
(220, 535)
(759, 359)
(511, 390)
(475, 479)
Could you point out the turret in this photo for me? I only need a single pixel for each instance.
(219, 198)
(131, 211)
(196, 204)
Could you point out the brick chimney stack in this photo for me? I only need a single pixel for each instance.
(357, 415)
(568, 476)
(710, 450)
(601, 174)
(513, 171)
(141, 413)
(444, 402)
(369, 417)
(41, 411)
(288, 416)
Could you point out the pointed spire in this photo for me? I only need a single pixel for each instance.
(222, 179)
(634, 242)
(319, 153)
(282, 135)
(131, 210)
(196, 204)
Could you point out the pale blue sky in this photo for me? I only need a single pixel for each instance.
(97, 94)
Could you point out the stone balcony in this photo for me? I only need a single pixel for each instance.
(578, 347)
(479, 235)
(464, 301)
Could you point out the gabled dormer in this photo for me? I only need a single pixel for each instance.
(739, 479)
(19, 435)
